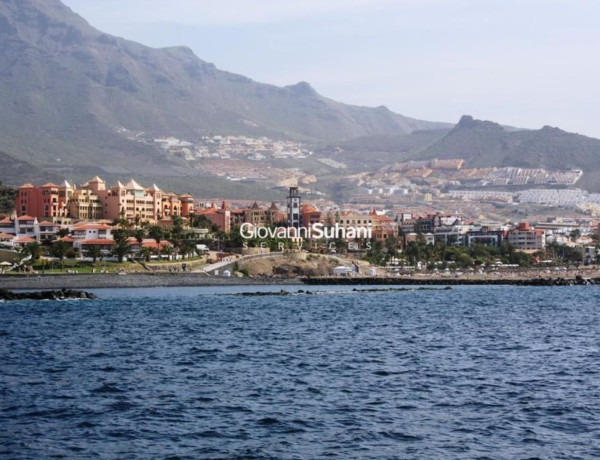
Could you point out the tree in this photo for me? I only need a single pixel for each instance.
(62, 232)
(59, 249)
(167, 250)
(376, 255)
(145, 253)
(177, 231)
(94, 252)
(33, 250)
(187, 248)
(156, 233)
(121, 247)
(120, 222)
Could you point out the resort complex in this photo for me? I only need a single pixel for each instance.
(93, 220)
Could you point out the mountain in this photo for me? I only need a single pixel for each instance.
(485, 143)
(72, 95)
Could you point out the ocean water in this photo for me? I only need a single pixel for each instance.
(471, 372)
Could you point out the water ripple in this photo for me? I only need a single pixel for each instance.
(473, 372)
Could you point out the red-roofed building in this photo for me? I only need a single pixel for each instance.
(104, 244)
(526, 238)
(221, 217)
(23, 240)
(48, 230)
(8, 226)
(310, 215)
(27, 226)
(95, 201)
(91, 230)
(48, 200)
(7, 238)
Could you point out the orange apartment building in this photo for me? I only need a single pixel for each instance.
(95, 201)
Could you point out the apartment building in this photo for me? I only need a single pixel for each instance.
(94, 200)
(525, 238)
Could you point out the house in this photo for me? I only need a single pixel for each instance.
(48, 230)
(84, 245)
(91, 230)
(27, 226)
(8, 226)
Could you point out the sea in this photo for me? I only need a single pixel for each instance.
(342, 372)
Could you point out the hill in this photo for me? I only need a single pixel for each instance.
(72, 95)
(485, 143)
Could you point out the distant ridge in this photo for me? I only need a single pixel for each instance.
(73, 101)
(485, 143)
(69, 93)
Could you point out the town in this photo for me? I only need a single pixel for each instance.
(123, 222)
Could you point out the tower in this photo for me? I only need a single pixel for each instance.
(293, 208)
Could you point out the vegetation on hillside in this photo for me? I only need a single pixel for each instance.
(7, 199)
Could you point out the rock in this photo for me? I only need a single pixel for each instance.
(62, 294)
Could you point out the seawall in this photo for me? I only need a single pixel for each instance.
(90, 281)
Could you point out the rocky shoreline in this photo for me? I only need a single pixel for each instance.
(133, 280)
(62, 294)
(576, 281)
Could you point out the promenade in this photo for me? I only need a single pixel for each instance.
(133, 280)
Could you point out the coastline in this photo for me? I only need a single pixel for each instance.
(132, 280)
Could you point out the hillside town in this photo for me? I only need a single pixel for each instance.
(130, 221)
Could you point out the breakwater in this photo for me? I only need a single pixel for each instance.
(576, 281)
(132, 280)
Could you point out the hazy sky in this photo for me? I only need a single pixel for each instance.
(525, 63)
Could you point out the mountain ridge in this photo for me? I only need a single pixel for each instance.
(75, 99)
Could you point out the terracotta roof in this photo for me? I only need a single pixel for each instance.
(96, 179)
(308, 208)
(49, 184)
(148, 243)
(97, 241)
(66, 239)
(25, 239)
(27, 185)
(203, 212)
(25, 218)
(47, 223)
(91, 227)
(6, 221)
(6, 235)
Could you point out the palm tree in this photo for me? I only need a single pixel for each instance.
(94, 252)
(187, 248)
(33, 249)
(156, 233)
(59, 249)
(146, 253)
(167, 250)
(121, 247)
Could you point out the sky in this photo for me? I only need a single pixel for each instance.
(525, 63)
